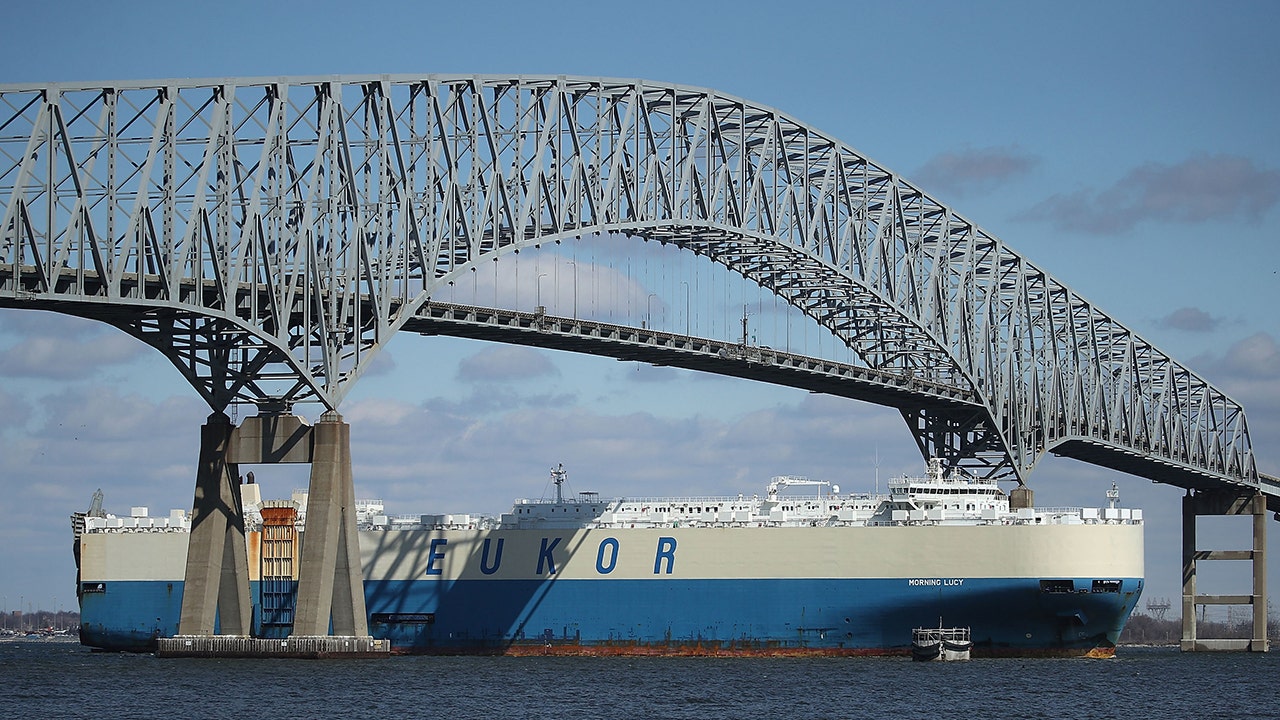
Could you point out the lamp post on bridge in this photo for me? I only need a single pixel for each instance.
(648, 310)
(538, 292)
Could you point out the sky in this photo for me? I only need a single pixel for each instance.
(1128, 148)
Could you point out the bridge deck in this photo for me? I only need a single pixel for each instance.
(722, 357)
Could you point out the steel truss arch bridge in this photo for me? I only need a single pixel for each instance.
(270, 234)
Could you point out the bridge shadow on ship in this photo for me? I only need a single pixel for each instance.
(467, 596)
(1018, 620)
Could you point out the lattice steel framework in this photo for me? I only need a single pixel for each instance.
(269, 234)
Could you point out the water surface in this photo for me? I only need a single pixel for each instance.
(50, 679)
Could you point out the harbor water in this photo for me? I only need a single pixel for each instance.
(61, 679)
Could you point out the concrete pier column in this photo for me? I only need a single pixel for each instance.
(216, 585)
(1224, 502)
(1188, 572)
(330, 574)
(1259, 642)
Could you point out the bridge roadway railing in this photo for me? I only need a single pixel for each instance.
(724, 357)
(1269, 485)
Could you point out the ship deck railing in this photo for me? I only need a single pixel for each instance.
(703, 500)
(1093, 516)
(936, 635)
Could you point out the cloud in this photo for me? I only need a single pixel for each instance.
(382, 364)
(504, 363)
(1190, 319)
(974, 170)
(99, 414)
(1256, 357)
(601, 281)
(1249, 372)
(1197, 190)
(14, 411)
(453, 457)
(378, 412)
(59, 347)
(490, 398)
(139, 451)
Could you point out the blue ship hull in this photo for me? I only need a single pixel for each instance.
(672, 616)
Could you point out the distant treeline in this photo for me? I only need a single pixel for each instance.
(19, 621)
(1147, 630)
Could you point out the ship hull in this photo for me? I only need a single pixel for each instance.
(683, 591)
(717, 617)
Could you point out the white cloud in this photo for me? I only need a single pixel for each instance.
(503, 363)
(1248, 371)
(60, 347)
(378, 412)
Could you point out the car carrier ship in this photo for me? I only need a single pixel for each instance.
(799, 570)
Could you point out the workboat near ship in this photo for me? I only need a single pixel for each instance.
(801, 570)
(940, 643)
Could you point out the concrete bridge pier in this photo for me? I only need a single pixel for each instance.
(217, 574)
(1224, 502)
(330, 575)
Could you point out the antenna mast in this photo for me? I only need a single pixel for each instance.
(557, 476)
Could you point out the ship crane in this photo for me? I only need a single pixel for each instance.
(781, 481)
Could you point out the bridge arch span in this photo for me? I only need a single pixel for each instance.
(293, 224)
(880, 335)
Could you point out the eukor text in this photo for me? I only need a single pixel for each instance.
(664, 558)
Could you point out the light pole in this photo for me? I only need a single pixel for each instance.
(538, 292)
(648, 310)
(686, 307)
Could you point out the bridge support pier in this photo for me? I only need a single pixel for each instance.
(216, 586)
(1224, 502)
(330, 576)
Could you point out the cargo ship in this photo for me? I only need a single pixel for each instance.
(801, 569)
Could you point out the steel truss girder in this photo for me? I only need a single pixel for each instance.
(304, 220)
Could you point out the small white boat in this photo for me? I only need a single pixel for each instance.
(940, 643)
